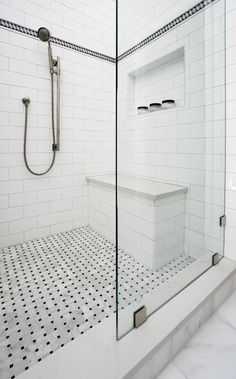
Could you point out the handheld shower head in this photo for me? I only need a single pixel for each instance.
(44, 34)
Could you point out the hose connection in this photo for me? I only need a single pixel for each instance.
(26, 101)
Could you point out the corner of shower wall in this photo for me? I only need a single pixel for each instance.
(36, 207)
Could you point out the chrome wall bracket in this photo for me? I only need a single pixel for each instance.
(26, 101)
(140, 316)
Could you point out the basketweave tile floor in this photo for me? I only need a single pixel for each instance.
(55, 288)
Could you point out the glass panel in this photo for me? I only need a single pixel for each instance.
(171, 149)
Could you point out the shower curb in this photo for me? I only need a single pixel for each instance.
(145, 351)
(157, 359)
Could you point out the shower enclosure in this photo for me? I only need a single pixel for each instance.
(170, 151)
(131, 211)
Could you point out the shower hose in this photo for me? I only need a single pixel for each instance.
(26, 103)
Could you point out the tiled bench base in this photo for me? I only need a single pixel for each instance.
(150, 227)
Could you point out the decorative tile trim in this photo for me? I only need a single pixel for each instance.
(57, 41)
(172, 24)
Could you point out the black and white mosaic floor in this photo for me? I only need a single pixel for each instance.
(53, 289)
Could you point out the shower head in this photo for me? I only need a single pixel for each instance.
(44, 34)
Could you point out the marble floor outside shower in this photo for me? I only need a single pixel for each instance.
(55, 288)
(211, 352)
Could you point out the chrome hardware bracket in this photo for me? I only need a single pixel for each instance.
(140, 316)
(215, 259)
(26, 101)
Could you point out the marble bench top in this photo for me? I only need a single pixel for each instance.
(140, 186)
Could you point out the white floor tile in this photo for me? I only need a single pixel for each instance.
(53, 289)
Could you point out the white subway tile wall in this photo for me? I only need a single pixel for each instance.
(139, 21)
(31, 206)
(186, 144)
(85, 23)
(87, 82)
(150, 230)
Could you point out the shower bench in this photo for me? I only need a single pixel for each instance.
(151, 216)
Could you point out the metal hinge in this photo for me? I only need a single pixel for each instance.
(215, 259)
(222, 220)
(140, 316)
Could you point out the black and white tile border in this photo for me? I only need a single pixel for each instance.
(57, 41)
(178, 20)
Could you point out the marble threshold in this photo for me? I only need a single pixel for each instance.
(145, 351)
(211, 352)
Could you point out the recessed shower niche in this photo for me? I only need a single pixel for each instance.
(161, 79)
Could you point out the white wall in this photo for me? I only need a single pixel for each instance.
(184, 145)
(230, 244)
(60, 200)
(84, 22)
(37, 206)
(139, 19)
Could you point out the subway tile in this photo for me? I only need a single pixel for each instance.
(49, 219)
(9, 214)
(23, 225)
(11, 187)
(4, 229)
(36, 233)
(36, 209)
(4, 201)
(22, 199)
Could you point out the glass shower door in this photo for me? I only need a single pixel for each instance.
(170, 151)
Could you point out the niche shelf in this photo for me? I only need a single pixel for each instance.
(161, 79)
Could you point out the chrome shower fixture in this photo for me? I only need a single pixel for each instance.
(44, 34)
(26, 101)
(54, 67)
